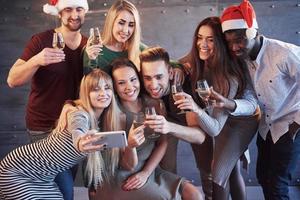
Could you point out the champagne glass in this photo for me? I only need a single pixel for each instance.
(95, 35)
(204, 92)
(138, 119)
(162, 108)
(58, 41)
(150, 112)
(176, 88)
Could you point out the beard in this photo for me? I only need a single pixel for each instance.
(72, 27)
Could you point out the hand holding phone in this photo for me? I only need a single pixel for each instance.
(112, 139)
(86, 143)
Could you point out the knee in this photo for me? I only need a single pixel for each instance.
(190, 192)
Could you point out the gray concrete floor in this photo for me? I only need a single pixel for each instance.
(253, 193)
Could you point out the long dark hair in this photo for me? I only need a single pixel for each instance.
(222, 67)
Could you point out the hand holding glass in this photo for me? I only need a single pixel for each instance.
(150, 112)
(204, 92)
(177, 89)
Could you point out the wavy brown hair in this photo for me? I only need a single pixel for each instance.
(222, 67)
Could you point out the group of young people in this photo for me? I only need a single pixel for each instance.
(254, 84)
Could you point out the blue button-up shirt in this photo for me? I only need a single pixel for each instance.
(275, 75)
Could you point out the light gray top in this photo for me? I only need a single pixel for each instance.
(213, 122)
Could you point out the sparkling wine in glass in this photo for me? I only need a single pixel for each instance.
(58, 41)
(176, 89)
(138, 119)
(150, 112)
(203, 89)
(95, 35)
(204, 92)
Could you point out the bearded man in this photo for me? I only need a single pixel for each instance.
(55, 74)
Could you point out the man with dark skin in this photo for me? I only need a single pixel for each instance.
(274, 68)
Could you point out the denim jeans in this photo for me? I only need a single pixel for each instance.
(65, 182)
(275, 164)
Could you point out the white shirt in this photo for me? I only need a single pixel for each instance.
(275, 75)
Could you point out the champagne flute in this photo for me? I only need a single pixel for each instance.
(150, 112)
(204, 92)
(95, 35)
(176, 88)
(58, 41)
(138, 119)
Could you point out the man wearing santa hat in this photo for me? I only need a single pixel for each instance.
(274, 67)
(55, 74)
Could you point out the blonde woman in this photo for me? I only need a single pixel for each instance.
(28, 172)
(121, 38)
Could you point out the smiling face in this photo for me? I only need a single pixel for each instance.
(156, 77)
(123, 27)
(205, 42)
(238, 42)
(101, 96)
(72, 18)
(127, 84)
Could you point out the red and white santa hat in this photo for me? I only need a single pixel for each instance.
(55, 6)
(240, 17)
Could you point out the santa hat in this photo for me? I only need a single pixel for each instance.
(240, 17)
(55, 6)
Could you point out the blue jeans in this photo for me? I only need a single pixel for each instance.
(275, 164)
(65, 182)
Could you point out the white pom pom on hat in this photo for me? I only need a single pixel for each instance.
(55, 6)
(251, 33)
(50, 9)
(240, 17)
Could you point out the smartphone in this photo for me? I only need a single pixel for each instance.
(112, 139)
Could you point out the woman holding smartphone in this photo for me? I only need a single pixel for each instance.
(28, 172)
(231, 121)
(145, 180)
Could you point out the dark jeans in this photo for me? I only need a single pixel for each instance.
(275, 164)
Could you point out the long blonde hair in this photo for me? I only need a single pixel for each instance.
(133, 43)
(100, 165)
